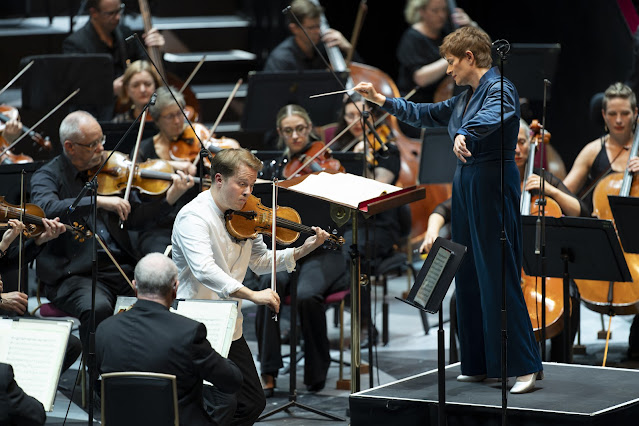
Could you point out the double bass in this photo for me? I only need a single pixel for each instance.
(614, 298)
(532, 286)
(409, 148)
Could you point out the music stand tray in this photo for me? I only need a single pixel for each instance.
(575, 248)
(625, 211)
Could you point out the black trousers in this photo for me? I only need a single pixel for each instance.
(316, 276)
(244, 406)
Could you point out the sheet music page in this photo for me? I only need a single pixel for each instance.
(343, 188)
(35, 349)
(124, 303)
(432, 277)
(218, 316)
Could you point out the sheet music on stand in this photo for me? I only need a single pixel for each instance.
(35, 349)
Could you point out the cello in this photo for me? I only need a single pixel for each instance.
(616, 298)
(530, 285)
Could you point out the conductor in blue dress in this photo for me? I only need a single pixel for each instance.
(474, 122)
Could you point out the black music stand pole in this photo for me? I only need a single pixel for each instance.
(427, 295)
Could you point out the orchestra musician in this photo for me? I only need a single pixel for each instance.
(139, 82)
(475, 125)
(420, 64)
(608, 154)
(321, 273)
(295, 53)
(20, 408)
(104, 33)
(148, 337)
(168, 118)
(212, 265)
(65, 266)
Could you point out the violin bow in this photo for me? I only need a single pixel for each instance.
(115, 262)
(129, 183)
(326, 146)
(195, 70)
(28, 131)
(221, 114)
(21, 241)
(273, 241)
(13, 80)
(357, 27)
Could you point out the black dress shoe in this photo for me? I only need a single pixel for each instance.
(270, 390)
(316, 387)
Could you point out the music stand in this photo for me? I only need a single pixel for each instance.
(577, 248)
(625, 211)
(437, 162)
(54, 77)
(267, 92)
(427, 294)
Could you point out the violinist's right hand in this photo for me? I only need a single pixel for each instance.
(117, 205)
(266, 297)
(367, 90)
(14, 301)
(16, 227)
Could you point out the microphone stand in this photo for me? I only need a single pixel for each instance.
(503, 47)
(204, 151)
(92, 185)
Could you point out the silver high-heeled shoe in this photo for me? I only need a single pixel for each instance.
(525, 386)
(471, 379)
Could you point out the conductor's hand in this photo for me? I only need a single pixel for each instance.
(115, 204)
(367, 90)
(459, 148)
(429, 240)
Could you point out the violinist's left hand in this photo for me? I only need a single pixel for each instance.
(153, 38)
(633, 165)
(12, 130)
(181, 183)
(333, 37)
(311, 243)
(52, 229)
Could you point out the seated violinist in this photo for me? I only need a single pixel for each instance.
(139, 82)
(322, 272)
(65, 265)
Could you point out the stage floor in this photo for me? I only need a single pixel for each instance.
(569, 394)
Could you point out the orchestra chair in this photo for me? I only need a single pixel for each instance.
(49, 310)
(133, 398)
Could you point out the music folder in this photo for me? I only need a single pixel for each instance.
(625, 211)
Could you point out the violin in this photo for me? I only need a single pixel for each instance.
(152, 177)
(255, 218)
(31, 215)
(187, 146)
(8, 113)
(323, 161)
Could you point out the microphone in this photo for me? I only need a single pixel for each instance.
(538, 236)
(154, 97)
(501, 45)
(82, 193)
(375, 134)
(286, 10)
(131, 37)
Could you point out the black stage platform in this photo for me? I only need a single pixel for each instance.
(570, 394)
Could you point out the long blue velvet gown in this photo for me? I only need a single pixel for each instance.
(476, 224)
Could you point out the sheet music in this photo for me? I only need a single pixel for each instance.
(124, 303)
(218, 316)
(432, 277)
(343, 188)
(35, 349)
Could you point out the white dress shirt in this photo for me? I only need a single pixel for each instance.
(211, 263)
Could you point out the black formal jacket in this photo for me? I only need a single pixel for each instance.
(150, 338)
(86, 40)
(16, 407)
(54, 187)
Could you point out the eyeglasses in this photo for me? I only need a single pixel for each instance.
(352, 117)
(172, 116)
(113, 13)
(93, 145)
(288, 131)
